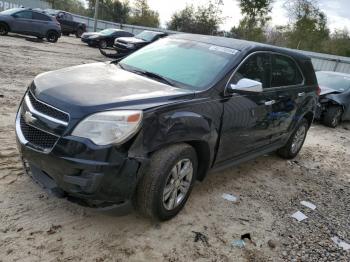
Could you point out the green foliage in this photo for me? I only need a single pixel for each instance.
(256, 15)
(201, 20)
(73, 6)
(143, 15)
(111, 10)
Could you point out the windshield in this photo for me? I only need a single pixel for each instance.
(11, 11)
(334, 81)
(146, 35)
(107, 31)
(192, 65)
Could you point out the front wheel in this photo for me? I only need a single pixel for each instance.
(103, 44)
(52, 37)
(4, 29)
(333, 116)
(79, 33)
(167, 184)
(295, 142)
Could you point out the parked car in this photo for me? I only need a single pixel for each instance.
(131, 44)
(104, 38)
(69, 26)
(29, 22)
(142, 129)
(334, 103)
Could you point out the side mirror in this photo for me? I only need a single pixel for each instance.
(246, 85)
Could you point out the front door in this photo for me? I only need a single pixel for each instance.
(23, 22)
(247, 121)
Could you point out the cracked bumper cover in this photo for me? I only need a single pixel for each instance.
(75, 168)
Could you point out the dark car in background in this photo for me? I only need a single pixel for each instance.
(144, 129)
(29, 22)
(68, 25)
(334, 103)
(131, 44)
(104, 38)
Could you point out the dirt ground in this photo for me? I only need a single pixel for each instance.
(37, 227)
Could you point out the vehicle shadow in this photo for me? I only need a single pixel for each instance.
(27, 38)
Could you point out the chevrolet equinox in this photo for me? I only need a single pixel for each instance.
(140, 131)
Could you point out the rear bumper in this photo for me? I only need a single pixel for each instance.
(98, 177)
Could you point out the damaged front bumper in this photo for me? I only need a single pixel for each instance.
(75, 168)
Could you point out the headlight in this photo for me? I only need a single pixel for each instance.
(112, 127)
(130, 45)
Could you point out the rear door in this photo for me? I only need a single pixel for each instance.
(287, 82)
(247, 119)
(40, 23)
(23, 21)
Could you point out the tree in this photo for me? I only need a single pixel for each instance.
(143, 15)
(309, 25)
(111, 10)
(73, 6)
(256, 16)
(201, 20)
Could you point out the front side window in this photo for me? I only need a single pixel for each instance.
(285, 72)
(191, 65)
(256, 67)
(24, 14)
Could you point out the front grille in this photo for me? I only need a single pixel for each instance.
(36, 137)
(47, 110)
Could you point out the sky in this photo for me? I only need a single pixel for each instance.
(337, 11)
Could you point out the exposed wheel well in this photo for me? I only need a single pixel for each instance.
(203, 155)
(309, 117)
(6, 24)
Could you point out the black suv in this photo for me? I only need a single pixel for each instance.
(141, 130)
(68, 25)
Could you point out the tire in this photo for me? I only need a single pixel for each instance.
(4, 29)
(332, 117)
(295, 142)
(52, 36)
(102, 44)
(79, 33)
(65, 34)
(151, 200)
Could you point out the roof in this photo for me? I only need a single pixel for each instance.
(240, 45)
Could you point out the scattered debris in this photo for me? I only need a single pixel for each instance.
(230, 197)
(20, 229)
(1, 96)
(247, 236)
(272, 244)
(53, 229)
(238, 243)
(9, 251)
(200, 236)
(341, 243)
(299, 216)
(308, 204)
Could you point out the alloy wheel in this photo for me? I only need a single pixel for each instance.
(177, 184)
(298, 139)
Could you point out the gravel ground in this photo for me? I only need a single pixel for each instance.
(37, 227)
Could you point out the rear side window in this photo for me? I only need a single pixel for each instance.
(285, 72)
(69, 17)
(24, 14)
(41, 17)
(257, 67)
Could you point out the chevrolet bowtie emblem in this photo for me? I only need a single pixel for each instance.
(29, 118)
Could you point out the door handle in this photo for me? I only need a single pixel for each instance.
(269, 103)
(301, 94)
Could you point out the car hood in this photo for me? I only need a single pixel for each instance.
(327, 90)
(131, 40)
(86, 35)
(102, 86)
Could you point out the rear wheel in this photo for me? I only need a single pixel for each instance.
(167, 184)
(79, 32)
(333, 116)
(103, 44)
(52, 36)
(4, 29)
(295, 142)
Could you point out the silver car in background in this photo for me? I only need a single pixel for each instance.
(30, 22)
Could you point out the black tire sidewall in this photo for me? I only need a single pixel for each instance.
(79, 33)
(100, 44)
(5, 27)
(290, 142)
(330, 116)
(51, 34)
(159, 208)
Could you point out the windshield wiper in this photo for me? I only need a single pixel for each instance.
(154, 76)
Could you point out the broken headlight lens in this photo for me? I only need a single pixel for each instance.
(112, 127)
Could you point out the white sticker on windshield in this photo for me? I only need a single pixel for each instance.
(223, 49)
